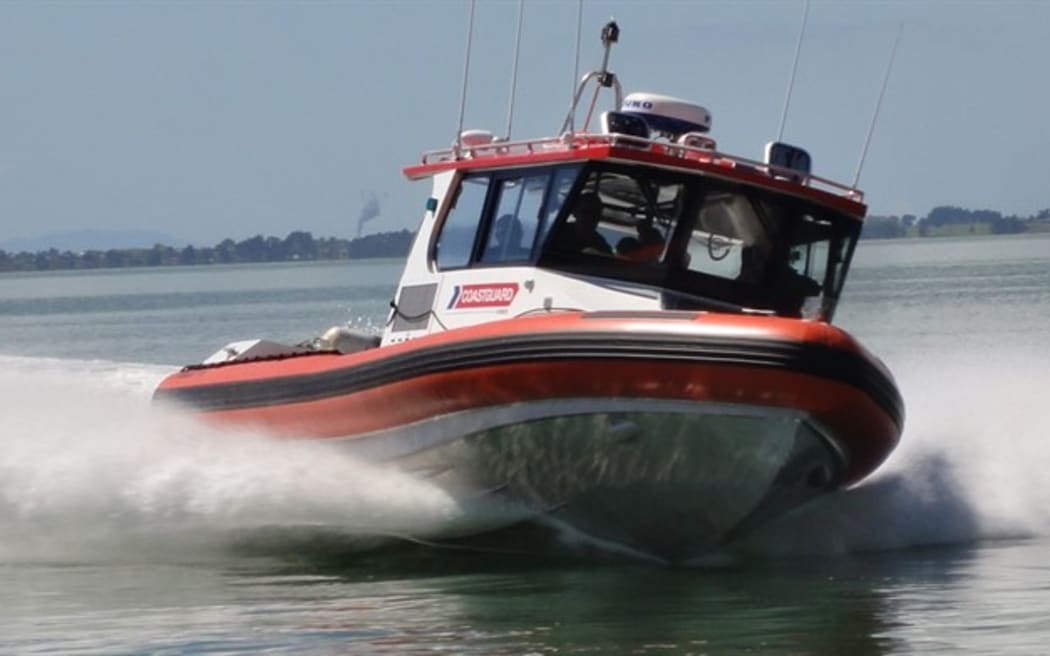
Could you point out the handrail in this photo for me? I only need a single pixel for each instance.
(497, 149)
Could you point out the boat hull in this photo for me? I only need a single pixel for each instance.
(666, 480)
(663, 438)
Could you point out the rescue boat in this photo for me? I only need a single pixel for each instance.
(625, 331)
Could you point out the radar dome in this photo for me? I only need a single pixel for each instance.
(670, 116)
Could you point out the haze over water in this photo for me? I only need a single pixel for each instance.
(128, 528)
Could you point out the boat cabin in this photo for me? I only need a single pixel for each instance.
(646, 215)
(606, 229)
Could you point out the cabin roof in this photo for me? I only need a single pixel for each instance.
(635, 150)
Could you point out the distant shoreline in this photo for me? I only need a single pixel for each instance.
(959, 230)
(298, 246)
(950, 221)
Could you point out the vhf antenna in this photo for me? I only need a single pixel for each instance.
(878, 105)
(794, 68)
(514, 69)
(466, 73)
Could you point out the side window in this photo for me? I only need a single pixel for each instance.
(559, 192)
(516, 219)
(456, 241)
(810, 260)
(797, 283)
(809, 255)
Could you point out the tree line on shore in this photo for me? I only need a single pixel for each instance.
(297, 246)
(303, 246)
(951, 220)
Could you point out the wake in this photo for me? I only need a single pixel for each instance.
(89, 468)
(971, 464)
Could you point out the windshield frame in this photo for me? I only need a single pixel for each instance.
(797, 222)
(478, 223)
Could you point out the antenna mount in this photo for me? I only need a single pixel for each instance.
(603, 78)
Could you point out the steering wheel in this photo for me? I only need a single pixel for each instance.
(718, 247)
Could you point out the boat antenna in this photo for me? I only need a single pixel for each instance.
(794, 69)
(466, 73)
(878, 105)
(514, 69)
(570, 120)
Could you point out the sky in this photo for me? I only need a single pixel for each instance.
(208, 120)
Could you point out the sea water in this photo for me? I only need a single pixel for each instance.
(127, 528)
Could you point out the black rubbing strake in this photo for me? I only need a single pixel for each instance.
(818, 360)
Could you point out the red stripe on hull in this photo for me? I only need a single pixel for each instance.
(862, 428)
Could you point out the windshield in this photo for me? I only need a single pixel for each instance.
(710, 244)
(498, 218)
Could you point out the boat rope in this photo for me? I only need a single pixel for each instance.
(414, 317)
(547, 310)
(398, 313)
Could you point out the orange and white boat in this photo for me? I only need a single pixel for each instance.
(626, 331)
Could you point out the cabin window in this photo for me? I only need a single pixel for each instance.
(619, 216)
(560, 188)
(706, 243)
(517, 216)
(809, 254)
(499, 218)
(818, 254)
(769, 254)
(729, 239)
(455, 244)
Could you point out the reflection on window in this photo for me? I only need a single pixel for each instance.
(517, 219)
(456, 241)
(810, 257)
(810, 250)
(705, 242)
(619, 215)
(729, 239)
(561, 185)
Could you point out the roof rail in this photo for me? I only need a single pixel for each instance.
(497, 150)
